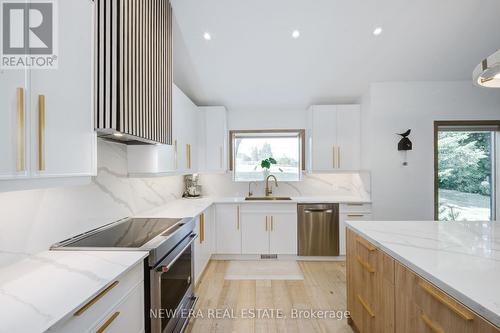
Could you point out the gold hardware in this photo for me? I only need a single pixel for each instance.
(220, 157)
(238, 217)
(366, 306)
(334, 160)
(432, 325)
(95, 299)
(202, 228)
(338, 157)
(365, 264)
(176, 154)
(20, 165)
(272, 223)
(108, 322)
(437, 295)
(267, 198)
(41, 132)
(188, 155)
(266, 221)
(268, 190)
(355, 215)
(365, 244)
(354, 204)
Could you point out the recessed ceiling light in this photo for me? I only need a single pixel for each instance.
(377, 31)
(296, 34)
(207, 36)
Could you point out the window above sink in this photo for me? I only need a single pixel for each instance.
(249, 147)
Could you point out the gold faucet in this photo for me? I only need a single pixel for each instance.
(269, 191)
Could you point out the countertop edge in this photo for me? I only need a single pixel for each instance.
(488, 315)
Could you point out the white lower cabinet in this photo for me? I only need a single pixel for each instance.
(119, 307)
(269, 229)
(228, 231)
(351, 212)
(204, 245)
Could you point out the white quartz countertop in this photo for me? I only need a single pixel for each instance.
(193, 207)
(461, 258)
(43, 289)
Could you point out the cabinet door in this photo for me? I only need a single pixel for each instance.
(184, 132)
(343, 217)
(324, 137)
(283, 233)
(228, 236)
(215, 139)
(348, 137)
(255, 233)
(63, 139)
(13, 123)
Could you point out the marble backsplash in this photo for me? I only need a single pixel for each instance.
(345, 185)
(33, 220)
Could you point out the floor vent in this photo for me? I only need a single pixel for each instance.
(268, 256)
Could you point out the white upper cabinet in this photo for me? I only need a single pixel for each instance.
(46, 123)
(334, 138)
(212, 139)
(62, 128)
(179, 158)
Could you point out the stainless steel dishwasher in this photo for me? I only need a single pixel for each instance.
(318, 229)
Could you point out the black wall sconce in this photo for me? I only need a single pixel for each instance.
(405, 145)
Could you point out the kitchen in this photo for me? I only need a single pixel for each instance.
(161, 161)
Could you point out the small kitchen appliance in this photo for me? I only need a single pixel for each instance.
(191, 187)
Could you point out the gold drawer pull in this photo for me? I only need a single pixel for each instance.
(366, 307)
(365, 244)
(108, 322)
(41, 132)
(355, 215)
(20, 165)
(237, 217)
(266, 221)
(202, 227)
(453, 307)
(432, 325)
(272, 223)
(95, 299)
(365, 265)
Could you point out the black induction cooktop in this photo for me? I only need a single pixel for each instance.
(130, 233)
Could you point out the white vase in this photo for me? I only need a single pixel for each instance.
(265, 172)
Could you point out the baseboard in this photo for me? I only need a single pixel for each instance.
(280, 257)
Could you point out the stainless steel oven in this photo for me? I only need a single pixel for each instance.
(171, 285)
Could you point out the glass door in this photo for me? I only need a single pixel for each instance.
(465, 174)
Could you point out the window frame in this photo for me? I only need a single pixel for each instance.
(302, 142)
(494, 125)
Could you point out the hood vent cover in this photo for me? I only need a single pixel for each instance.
(134, 71)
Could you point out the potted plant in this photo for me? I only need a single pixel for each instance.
(265, 164)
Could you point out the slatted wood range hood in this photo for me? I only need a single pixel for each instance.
(133, 85)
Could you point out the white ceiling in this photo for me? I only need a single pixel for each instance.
(253, 62)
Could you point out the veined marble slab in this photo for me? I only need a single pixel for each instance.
(45, 288)
(193, 207)
(461, 258)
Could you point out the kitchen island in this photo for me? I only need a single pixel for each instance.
(412, 276)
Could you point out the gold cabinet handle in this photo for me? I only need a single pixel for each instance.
(272, 223)
(237, 217)
(466, 315)
(365, 265)
(338, 157)
(202, 228)
(432, 325)
(95, 299)
(176, 161)
(20, 161)
(41, 132)
(365, 244)
(266, 221)
(221, 157)
(188, 156)
(108, 322)
(334, 160)
(366, 306)
(355, 215)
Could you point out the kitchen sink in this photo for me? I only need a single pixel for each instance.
(267, 198)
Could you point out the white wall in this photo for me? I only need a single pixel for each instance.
(33, 220)
(406, 193)
(267, 119)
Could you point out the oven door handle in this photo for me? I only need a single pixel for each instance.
(165, 268)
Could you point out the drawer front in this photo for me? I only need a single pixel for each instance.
(355, 208)
(127, 316)
(422, 307)
(89, 314)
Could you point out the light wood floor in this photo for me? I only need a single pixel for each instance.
(323, 288)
